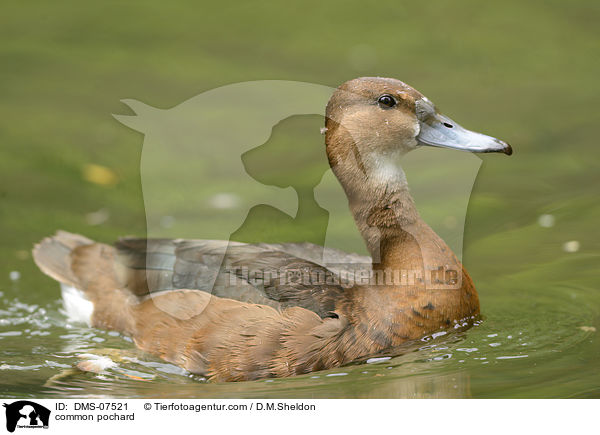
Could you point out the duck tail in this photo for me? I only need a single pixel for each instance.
(53, 256)
(97, 299)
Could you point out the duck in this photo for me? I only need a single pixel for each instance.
(276, 310)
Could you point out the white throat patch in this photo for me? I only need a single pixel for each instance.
(386, 169)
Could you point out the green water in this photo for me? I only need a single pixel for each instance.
(526, 73)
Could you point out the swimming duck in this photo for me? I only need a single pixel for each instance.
(218, 320)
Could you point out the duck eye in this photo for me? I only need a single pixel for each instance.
(386, 101)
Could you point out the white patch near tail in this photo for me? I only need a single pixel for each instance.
(78, 308)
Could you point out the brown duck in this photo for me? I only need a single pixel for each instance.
(224, 321)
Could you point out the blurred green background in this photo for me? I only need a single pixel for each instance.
(526, 72)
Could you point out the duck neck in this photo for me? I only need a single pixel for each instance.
(417, 297)
(383, 209)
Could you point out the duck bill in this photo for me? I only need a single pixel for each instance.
(440, 131)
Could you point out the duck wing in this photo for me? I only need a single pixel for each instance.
(277, 275)
(339, 262)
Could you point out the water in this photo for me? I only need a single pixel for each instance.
(523, 71)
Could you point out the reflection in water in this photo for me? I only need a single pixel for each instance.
(131, 373)
(132, 377)
(432, 386)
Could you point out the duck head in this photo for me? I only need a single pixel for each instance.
(384, 117)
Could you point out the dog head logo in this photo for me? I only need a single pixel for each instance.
(202, 171)
(26, 414)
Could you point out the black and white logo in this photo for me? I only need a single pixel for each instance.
(26, 414)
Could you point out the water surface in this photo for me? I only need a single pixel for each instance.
(522, 72)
